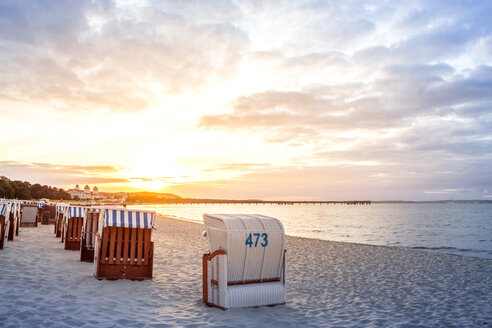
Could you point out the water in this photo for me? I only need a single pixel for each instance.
(464, 229)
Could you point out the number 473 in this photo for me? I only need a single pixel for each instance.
(251, 236)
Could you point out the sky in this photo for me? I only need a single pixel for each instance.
(304, 100)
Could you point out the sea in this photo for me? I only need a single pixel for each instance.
(453, 228)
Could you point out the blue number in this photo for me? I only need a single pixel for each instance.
(249, 241)
(265, 239)
(257, 235)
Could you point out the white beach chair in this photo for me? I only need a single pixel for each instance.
(246, 263)
(29, 214)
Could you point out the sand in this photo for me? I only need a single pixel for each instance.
(330, 284)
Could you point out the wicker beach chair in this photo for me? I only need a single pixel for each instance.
(19, 216)
(29, 215)
(41, 206)
(4, 223)
(48, 214)
(124, 248)
(59, 216)
(246, 263)
(89, 231)
(14, 220)
(72, 227)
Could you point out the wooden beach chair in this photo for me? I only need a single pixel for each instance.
(48, 214)
(59, 216)
(14, 221)
(124, 248)
(89, 231)
(4, 223)
(246, 263)
(41, 205)
(19, 217)
(73, 227)
(29, 215)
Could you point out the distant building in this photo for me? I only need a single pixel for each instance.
(85, 194)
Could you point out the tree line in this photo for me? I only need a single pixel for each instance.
(24, 190)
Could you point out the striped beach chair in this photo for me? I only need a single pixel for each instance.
(4, 223)
(59, 216)
(40, 205)
(29, 214)
(124, 247)
(246, 263)
(72, 227)
(89, 231)
(48, 214)
(14, 220)
(19, 216)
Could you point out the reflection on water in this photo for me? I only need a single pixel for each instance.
(464, 229)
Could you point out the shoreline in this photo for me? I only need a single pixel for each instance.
(329, 283)
(415, 248)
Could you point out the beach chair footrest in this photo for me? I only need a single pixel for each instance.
(124, 271)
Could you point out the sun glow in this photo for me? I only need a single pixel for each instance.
(148, 184)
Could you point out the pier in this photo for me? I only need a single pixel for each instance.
(259, 202)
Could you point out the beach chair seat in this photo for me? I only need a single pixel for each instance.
(246, 263)
(29, 215)
(4, 224)
(124, 247)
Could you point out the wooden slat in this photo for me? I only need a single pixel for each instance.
(81, 223)
(70, 229)
(119, 242)
(63, 232)
(112, 244)
(79, 232)
(126, 245)
(133, 245)
(140, 246)
(76, 230)
(146, 247)
(104, 243)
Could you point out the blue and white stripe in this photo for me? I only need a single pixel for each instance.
(13, 207)
(129, 219)
(3, 209)
(76, 211)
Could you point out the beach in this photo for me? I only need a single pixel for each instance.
(335, 284)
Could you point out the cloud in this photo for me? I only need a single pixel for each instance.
(102, 56)
(391, 96)
(60, 175)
